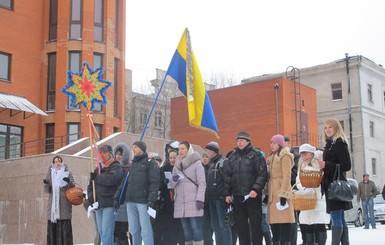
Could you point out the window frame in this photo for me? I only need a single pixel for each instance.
(9, 63)
(371, 129)
(71, 68)
(99, 23)
(76, 22)
(370, 92)
(97, 106)
(53, 13)
(158, 122)
(51, 84)
(336, 90)
(71, 139)
(8, 144)
(374, 166)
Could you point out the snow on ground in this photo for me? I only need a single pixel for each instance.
(357, 235)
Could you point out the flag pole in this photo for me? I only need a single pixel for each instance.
(153, 106)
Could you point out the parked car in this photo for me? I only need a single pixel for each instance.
(354, 215)
(379, 209)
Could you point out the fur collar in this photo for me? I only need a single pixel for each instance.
(182, 164)
(284, 151)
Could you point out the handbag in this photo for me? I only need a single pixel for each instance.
(229, 216)
(339, 190)
(75, 195)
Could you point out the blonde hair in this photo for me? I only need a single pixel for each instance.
(339, 132)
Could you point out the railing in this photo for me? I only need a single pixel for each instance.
(35, 147)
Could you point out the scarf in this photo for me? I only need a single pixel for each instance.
(57, 176)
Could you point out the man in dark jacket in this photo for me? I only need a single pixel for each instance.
(244, 179)
(215, 194)
(367, 190)
(106, 184)
(141, 193)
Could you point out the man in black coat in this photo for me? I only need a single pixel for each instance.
(244, 179)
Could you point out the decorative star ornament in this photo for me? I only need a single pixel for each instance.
(87, 87)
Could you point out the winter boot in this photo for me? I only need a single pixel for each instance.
(188, 243)
(345, 235)
(336, 235)
(322, 238)
(197, 242)
(267, 237)
(309, 238)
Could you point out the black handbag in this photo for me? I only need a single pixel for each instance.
(339, 190)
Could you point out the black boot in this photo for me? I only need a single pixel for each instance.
(322, 238)
(267, 236)
(309, 238)
(336, 235)
(345, 235)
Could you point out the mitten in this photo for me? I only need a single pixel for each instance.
(92, 176)
(282, 201)
(175, 177)
(200, 205)
(66, 179)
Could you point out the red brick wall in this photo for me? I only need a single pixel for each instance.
(249, 107)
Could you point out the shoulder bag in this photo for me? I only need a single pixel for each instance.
(339, 190)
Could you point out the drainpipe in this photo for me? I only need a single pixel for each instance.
(276, 86)
(350, 114)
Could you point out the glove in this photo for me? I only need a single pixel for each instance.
(200, 205)
(66, 179)
(282, 201)
(45, 181)
(92, 176)
(150, 205)
(265, 199)
(175, 177)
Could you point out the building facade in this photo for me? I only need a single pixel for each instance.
(40, 42)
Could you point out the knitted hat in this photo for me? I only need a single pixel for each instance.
(307, 148)
(141, 145)
(106, 148)
(287, 139)
(365, 174)
(213, 146)
(243, 135)
(279, 140)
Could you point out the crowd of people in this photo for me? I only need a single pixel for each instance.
(190, 198)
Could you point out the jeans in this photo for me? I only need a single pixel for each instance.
(338, 218)
(207, 228)
(139, 223)
(222, 231)
(368, 207)
(105, 221)
(192, 228)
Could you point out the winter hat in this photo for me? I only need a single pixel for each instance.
(307, 148)
(279, 140)
(365, 174)
(243, 135)
(106, 148)
(213, 146)
(287, 139)
(318, 155)
(141, 145)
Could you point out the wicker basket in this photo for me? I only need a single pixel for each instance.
(304, 201)
(311, 178)
(75, 195)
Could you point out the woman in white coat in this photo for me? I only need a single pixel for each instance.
(313, 221)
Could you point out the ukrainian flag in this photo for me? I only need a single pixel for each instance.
(184, 69)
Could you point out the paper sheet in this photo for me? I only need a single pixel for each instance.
(169, 177)
(92, 208)
(151, 212)
(246, 197)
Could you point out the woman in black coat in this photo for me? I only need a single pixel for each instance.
(336, 152)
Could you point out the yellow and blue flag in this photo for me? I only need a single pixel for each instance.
(184, 69)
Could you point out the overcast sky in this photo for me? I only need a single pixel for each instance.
(247, 38)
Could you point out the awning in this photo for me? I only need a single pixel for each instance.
(13, 102)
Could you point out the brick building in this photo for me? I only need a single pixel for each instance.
(261, 108)
(39, 42)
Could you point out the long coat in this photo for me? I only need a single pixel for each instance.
(317, 215)
(280, 165)
(186, 192)
(336, 152)
(64, 205)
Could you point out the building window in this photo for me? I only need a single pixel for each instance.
(115, 130)
(7, 4)
(76, 19)
(371, 128)
(370, 93)
(143, 118)
(116, 86)
(73, 131)
(53, 20)
(49, 137)
(99, 130)
(11, 138)
(116, 23)
(336, 91)
(374, 166)
(51, 90)
(5, 66)
(158, 120)
(342, 125)
(98, 20)
(98, 61)
(74, 64)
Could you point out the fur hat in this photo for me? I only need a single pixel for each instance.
(279, 140)
(243, 135)
(307, 148)
(213, 146)
(126, 153)
(141, 145)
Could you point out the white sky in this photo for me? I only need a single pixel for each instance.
(247, 38)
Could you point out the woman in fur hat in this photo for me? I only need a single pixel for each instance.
(280, 214)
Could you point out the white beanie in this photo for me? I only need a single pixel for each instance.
(307, 148)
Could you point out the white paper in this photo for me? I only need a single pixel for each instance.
(280, 207)
(151, 212)
(168, 176)
(246, 197)
(92, 208)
